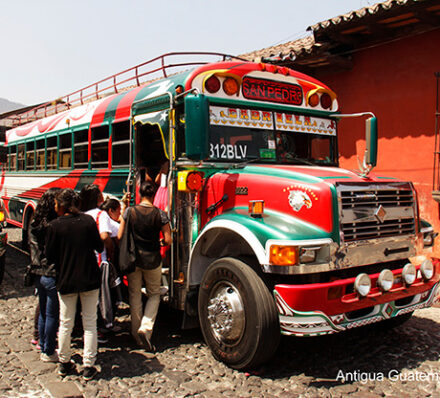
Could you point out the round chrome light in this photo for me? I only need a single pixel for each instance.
(427, 269)
(362, 284)
(385, 280)
(409, 273)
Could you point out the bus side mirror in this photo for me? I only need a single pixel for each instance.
(370, 159)
(196, 126)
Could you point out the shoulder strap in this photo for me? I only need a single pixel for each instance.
(97, 218)
(97, 224)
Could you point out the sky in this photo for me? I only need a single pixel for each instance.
(50, 48)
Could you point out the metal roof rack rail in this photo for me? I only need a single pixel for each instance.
(135, 76)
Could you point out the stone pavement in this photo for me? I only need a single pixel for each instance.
(368, 362)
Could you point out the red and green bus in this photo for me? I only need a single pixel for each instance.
(269, 235)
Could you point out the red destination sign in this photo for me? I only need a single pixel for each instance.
(268, 90)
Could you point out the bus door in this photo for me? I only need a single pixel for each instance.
(149, 154)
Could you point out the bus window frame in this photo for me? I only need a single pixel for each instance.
(22, 144)
(75, 133)
(333, 144)
(10, 168)
(37, 150)
(32, 141)
(60, 150)
(99, 141)
(119, 144)
(48, 137)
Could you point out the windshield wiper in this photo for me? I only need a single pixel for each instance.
(303, 160)
(240, 165)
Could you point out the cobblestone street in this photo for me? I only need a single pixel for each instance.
(404, 362)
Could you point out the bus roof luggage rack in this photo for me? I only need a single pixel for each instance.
(133, 77)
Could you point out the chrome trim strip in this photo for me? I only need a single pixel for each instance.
(373, 251)
(296, 269)
(350, 254)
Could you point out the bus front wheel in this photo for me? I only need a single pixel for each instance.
(237, 313)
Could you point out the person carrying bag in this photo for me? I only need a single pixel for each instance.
(139, 234)
(127, 254)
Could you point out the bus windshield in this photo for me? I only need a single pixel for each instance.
(238, 135)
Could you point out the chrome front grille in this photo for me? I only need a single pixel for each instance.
(371, 211)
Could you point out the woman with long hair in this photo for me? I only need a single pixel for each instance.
(91, 199)
(45, 276)
(71, 242)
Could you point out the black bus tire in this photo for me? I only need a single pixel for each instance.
(25, 230)
(237, 314)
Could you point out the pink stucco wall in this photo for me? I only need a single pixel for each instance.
(396, 81)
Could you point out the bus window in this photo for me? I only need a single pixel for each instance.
(51, 153)
(41, 149)
(121, 144)
(321, 150)
(81, 149)
(100, 138)
(21, 156)
(4, 157)
(238, 144)
(12, 158)
(30, 155)
(295, 147)
(66, 151)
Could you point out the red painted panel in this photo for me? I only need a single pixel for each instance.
(124, 106)
(243, 68)
(314, 297)
(275, 191)
(395, 80)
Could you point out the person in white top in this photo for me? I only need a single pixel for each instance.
(113, 208)
(90, 199)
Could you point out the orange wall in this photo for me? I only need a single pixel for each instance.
(395, 81)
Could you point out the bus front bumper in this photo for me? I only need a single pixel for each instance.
(326, 308)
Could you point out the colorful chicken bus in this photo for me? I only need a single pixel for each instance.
(269, 234)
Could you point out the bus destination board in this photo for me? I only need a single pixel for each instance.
(268, 90)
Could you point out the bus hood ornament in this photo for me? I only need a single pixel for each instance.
(380, 214)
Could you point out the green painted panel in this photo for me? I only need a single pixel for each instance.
(111, 108)
(117, 183)
(274, 172)
(274, 225)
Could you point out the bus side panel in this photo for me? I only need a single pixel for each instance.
(30, 188)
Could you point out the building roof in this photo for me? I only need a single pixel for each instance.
(331, 42)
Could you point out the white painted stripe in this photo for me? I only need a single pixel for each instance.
(244, 232)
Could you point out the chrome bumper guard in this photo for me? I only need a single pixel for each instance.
(316, 323)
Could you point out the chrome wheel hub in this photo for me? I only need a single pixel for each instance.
(226, 315)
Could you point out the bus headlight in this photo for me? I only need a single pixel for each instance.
(427, 269)
(362, 284)
(280, 254)
(409, 274)
(385, 280)
(283, 255)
